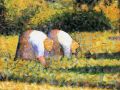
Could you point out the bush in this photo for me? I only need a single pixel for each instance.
(79, 21)
(19, 12)
(39, 15)
(21, 23)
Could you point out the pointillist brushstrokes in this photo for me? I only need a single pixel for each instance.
(24, 48)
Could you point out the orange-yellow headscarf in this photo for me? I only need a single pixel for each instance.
(74, 46)
(48, 44)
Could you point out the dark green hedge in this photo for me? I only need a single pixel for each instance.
(2, 16)
(78, 21)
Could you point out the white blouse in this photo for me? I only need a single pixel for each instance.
(36, 39)
(65, 40)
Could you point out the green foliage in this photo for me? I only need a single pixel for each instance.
(19, 20)
(79, 21)
(45, 16)
(19, 12)
(21, 23)
(86, 71)
(2, 16)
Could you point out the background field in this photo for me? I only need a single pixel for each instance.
(97, 65)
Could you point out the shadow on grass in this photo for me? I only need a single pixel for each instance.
(62, 82)
(115, 55)
(36, 78)
(96, 69)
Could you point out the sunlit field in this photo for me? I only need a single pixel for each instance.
(25, 86)
(97, 64)
(100, 72)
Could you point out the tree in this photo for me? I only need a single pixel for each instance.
(90, 3)
(2, 17)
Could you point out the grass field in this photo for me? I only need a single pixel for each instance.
(96, 67)
(80, 73)
(25, 86)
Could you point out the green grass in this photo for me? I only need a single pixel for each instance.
(102, 72)
(77, 75)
